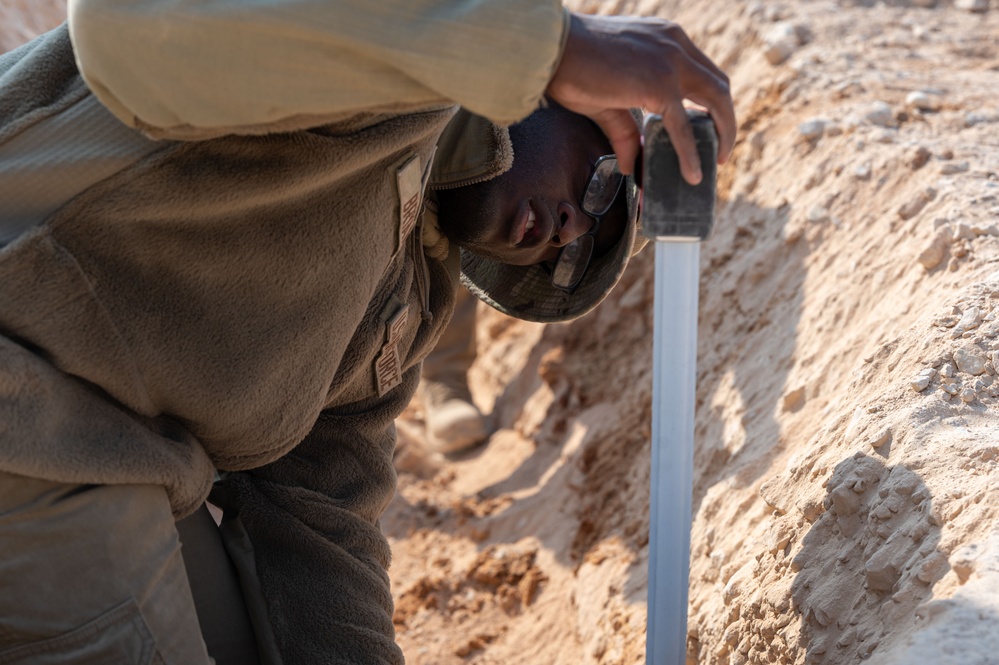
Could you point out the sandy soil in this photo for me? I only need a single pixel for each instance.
(846, 485)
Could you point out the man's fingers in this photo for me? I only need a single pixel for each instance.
(702, 87)
(622, 131)
(704, 84)
(682, 135)
(697, 55)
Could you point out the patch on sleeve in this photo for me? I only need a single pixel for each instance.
(409, 180)
(388, 364)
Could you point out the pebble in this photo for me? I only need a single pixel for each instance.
(818, 215)
(934, 255)
(915, 206)
(780, 42)
(973, 6)
(970, 319)
(885, 136)
(921, 101)
(918, 157)
(794, 400)
(968, 395)
(881, 438)
(880, 114)
(964, 232)
(947, 371)
(973, 118)
(812, 130)
(952, 168)
(969, 361)
(863, 171)
(949, 388)
(920, 383)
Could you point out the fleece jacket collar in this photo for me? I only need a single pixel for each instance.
(470, 150)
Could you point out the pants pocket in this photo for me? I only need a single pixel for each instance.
(117, 637)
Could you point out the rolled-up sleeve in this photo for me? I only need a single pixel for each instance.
(233, 63)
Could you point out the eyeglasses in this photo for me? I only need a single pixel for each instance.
(601, 192)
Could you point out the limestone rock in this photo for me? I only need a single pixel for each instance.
(934, 255)
(914, 206)
(921, 101)
(780, 42)
(969, 361)
(974, 6)
(952, 168)
(880, 114)
(812, 130)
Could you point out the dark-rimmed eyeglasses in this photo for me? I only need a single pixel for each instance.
(601, 191)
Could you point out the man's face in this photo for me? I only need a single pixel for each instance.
(527, 214)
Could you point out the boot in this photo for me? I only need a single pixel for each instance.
(453, 422)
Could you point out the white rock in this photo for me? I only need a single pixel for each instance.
(968, 395)
(886, 136)
(965, 232)
(862, 171)
(812, 130)
(881, 437)
(780, 42)
(969, 361)
(818, 215)
(973, 118)
(880, 114)
(974, 6)
(928, 371)
(947, 371)
(913, 207)
(970, 319)
(922, 101)
(920, 383)
(934, 254)
(951, 168)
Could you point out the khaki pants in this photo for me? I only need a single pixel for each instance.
(454, 354)
(94, 574)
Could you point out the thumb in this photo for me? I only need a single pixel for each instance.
(623, 133)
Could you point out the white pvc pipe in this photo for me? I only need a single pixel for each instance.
(674, 358)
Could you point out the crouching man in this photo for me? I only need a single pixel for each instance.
(229, 235)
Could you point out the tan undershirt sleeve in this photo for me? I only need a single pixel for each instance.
(232, 64)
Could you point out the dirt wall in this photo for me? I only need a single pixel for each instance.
(847, 429)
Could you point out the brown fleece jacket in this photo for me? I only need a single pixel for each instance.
(224, 304)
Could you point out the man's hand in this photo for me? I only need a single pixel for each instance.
(612, 64)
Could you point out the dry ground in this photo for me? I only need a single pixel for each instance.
(840, 514)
